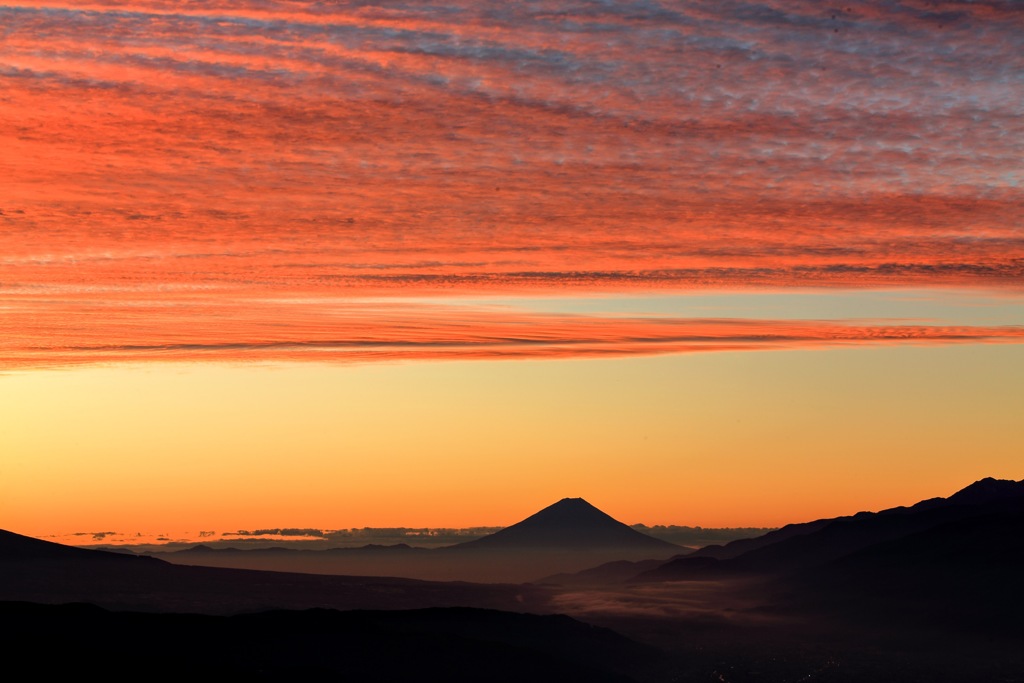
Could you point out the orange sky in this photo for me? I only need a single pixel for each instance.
(711, 439)
(259, 195)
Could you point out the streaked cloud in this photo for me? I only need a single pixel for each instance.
(349, 332)
(161, 157)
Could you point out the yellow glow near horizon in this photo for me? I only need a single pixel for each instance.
(719, 439)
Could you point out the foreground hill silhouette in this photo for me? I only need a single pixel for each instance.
(568, 536)
(452, 645)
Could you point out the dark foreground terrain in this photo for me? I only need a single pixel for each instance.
(451, 644)
(468, 644)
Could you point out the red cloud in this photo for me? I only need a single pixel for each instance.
(256, 149)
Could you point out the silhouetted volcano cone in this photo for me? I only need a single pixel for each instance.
(569, 524)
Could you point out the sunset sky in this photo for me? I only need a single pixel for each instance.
(442, 263)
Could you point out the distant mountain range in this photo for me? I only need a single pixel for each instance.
(931, 592)
(568, 536)
(39, 571)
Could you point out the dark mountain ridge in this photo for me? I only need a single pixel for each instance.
(983, 491)
(963, 574)
(15, 547)
(803, 546)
